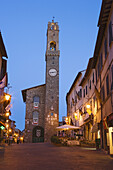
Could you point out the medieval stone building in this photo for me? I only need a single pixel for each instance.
(42, 102)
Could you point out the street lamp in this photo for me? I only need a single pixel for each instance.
(10, 130)
(7, 125)
(88, 106)
(66, 120)
(7, 113)
(7, 97)
(88, 109)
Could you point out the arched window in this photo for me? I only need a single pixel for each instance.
(35, 117)
(36, 100)
(52, 46)
(52, 27)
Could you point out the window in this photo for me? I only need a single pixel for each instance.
(105, 48)
(86, 90)
(75, 99)
(110, 33)
(90, 84)
(35, 117)
(52, 27)
(81, 93)
(94, 99)
(101, 61)
(52, 46)
(107, 84)
(102, 93)
(93, 77)
(36, 101)
(98, 69)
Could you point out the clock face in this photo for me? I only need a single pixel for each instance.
(52, 72)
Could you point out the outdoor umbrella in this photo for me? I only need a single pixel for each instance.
(67, 127)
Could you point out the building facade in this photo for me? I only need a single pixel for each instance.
(96, 104)
(42, 102)
(5, 98)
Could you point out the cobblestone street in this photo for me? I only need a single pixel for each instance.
(45, 156)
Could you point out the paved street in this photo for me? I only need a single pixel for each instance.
(44, 156)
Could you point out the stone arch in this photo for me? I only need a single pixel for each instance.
(52, 45)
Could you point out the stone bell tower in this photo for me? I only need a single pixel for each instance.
(52, 80)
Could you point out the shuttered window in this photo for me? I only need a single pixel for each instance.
(75, 99)
(93, 77)
(101, 61)
(86, 90)
(36, 99)
(107, 84)
(103, 93)
(110, 33)
(90, 84)
(105, 48)
(81, 93)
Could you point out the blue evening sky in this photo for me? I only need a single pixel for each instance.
(23, 24)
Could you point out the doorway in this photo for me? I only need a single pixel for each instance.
(38, 134)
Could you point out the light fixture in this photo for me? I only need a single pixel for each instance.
(7, 113)
(75, 114)
(7, 125)
(7, 97)
(10, 130)
(88, 106)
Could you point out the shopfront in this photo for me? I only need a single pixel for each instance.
(110, 134)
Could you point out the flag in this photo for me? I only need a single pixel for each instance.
(3, 82)
(98, 95)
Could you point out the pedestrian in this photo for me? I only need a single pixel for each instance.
(18, 140)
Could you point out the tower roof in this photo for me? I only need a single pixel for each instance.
(2, 47)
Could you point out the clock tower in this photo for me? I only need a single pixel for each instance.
(52, 80)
